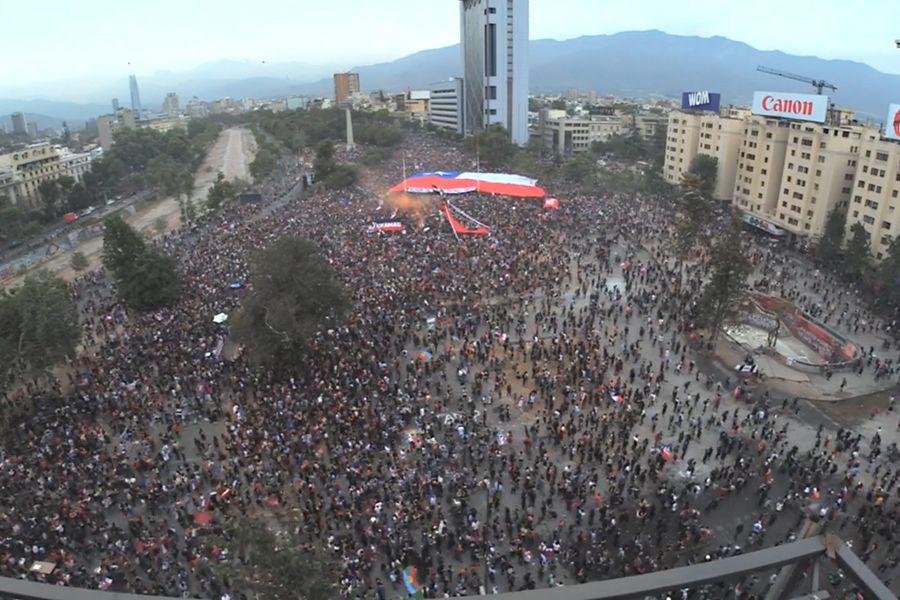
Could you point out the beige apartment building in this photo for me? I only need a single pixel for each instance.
(874, 200)
(794, 173)
(712, 134)
(760, 165)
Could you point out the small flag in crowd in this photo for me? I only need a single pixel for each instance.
(667, 452)
(411, 581)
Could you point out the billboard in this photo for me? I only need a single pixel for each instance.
(701, 100)
(892, 125)
(802, 107)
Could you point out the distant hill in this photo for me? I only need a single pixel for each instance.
(652, 63)
(639, 64)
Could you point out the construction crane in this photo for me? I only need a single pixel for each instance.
(816, 83)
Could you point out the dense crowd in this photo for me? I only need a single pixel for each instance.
(511, 411)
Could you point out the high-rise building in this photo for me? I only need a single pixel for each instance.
(32, 129)
(19, 124)
(170, 105)
(135, 95)
(345, 85)
(494, 46)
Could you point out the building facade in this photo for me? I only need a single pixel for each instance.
(446, 107)
(135, 94)
(564, 136)
(171, 106)
(108, 125)
(30, 167)
(875, 203)
(19, 125)
(494, 46)
(795, 173)
(74, 164)
(345, 85)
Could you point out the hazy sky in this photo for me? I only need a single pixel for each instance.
(53, 39)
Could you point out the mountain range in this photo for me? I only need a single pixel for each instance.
(635, 64)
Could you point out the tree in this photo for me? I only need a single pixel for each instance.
(295, 295)
(580, 169)
(50, 196)
(888, 274)
(558, 104)
(694, 211)
(122, 246)
(160, 225)
(279, 566)
(38, 325)
(220, 192)
(342, 176)
(494, 147)
(79, 261)
(324, 164)
(829, 247)
(704, 168)
(859, 251)
(150, 283)
(721, 296)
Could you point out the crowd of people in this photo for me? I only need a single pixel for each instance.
(512, 411)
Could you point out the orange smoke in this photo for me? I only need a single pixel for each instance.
(412, 206)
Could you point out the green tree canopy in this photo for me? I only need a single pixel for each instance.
(38, 325)
(222, 191)
(494, 147)
(295, 295)
(722, 295)
(829, 247)
(703, 168)
(122, 246)
(150, 283)
(859, 251)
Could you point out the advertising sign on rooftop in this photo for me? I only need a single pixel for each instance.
(892, 125)
(701, 100)
(801, 107)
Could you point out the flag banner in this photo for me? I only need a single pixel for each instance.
(386, 226)
(459, 228)
(455, 182)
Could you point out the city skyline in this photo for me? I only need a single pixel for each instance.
(377, 34)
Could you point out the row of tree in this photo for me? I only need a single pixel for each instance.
(850, 257)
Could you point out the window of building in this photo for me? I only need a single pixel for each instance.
(857, 199)
(784, 203)
(868, 220)
(886, 240)
(868, 153)
(855, 214)
(865, 169)
(885, 225)
(882, 156)
(845, 190)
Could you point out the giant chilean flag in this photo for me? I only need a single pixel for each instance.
(455, 182)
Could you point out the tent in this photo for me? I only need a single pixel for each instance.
(455, 182)
(220, 318)
(551, 203)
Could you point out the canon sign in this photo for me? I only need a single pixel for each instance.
(803, 107)
(892, 125)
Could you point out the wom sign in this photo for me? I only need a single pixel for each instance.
(702, 100)
(801, 107)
